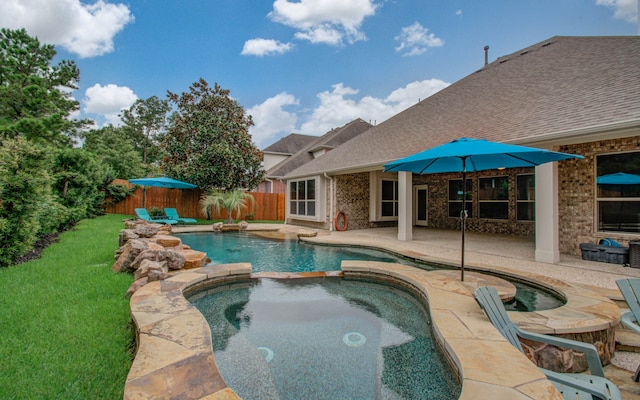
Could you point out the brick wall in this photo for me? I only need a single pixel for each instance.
(438, 204)
(577, 194)
(352, 197)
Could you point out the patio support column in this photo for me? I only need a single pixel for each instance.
(547, 219)
(405, 224)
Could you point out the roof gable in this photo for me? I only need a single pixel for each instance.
(328, 141)
(290, 144)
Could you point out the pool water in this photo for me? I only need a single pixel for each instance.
(295, 256)
(277, 255)
(324, 339)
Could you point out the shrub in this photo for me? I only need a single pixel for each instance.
(24, 182)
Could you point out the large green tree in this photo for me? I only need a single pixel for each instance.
(79, 182)
(112, 146)
(35, 95)
(145, 122)
(208, 141)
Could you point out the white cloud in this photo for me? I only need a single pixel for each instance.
(415, 39)
(84, 29)
(264, 47)
(336, 108)
(324, 21)
(108, 101)
(624, 9)
(270, 118)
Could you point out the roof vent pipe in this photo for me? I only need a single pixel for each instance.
(486, 55)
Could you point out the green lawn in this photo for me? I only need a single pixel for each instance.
(65, 331)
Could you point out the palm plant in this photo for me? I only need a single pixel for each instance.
(232, 201)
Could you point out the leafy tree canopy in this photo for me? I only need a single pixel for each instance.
(208, 142)
(35, 96)
(79, 181)
(145, 122)
(113, 147)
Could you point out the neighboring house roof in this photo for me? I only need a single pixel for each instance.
(290, 144)
(329, 141)
(557, 88)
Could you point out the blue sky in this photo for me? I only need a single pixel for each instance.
(302, 66)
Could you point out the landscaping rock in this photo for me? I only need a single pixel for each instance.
(147, 230)
(173, 259)
(554, 358)
(195, 259)
(127, 254)
(131, 223)
(217, 227)
(149, 267)
(167, 241)
(126, 235)
(165, 230)
(150, 252)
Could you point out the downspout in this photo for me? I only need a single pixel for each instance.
(331, 210)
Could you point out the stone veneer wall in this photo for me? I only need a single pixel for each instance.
(577, 207)
(352, 197)
(438, 203)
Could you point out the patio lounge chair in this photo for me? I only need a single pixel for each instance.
(172, 213)
(142, 213)
(630, 289)
(572, 386)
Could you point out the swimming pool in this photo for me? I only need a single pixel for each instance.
(271, 255)
(275, 255)
(324, 339)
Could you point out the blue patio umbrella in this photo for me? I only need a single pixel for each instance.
(619, 178)
(161, 181)
(472, 155)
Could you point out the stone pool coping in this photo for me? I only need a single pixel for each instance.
(175, 358)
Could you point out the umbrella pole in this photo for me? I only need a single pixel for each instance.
(463, 214)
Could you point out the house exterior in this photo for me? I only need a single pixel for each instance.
(277, 153)
(295, 150)
(576, 95)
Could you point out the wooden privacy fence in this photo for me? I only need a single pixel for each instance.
(266, 207)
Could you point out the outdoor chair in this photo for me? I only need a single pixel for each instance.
(630, 289)
(143, 214)
(572, 386)
(172, 213)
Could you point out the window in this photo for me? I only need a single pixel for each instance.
(383, 196)
(526, 197)
(493, 197)
(389, 206)
(302, 198)
(618, 192)
(455, 197)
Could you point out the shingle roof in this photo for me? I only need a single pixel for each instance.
(558, 85)
(328, 141)
(290, 144)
